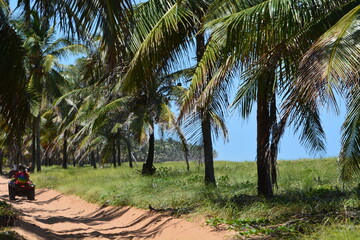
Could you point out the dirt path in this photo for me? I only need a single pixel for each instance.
(56, 216)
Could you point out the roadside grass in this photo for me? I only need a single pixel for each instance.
(8, 234)
(310, 198)
(7, 219)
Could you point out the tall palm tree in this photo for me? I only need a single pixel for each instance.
(164, 29)
(266, 38)
(43, 52)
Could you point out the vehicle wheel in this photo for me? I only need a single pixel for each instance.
(31, 194)
(12, 193)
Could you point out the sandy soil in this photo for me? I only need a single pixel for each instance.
(56, 216)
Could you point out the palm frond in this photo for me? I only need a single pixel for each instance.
(304, 115)
(4, 5)
(333, 60)
(245, 97)
(200, 78)
(166, 117)
(350, 140)
(13, 101)
(140, 126)
(69, 50)
(158, 39)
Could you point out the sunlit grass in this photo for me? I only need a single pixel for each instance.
(335, 232)
(309, 193)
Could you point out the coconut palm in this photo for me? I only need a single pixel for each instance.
(332, 65)
(43, 52)
(163, 30)
(266, 38)
(97, 111)
(81, 18)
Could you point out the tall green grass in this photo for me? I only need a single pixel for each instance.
(309, 194)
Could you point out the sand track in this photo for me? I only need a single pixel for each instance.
(56, 216)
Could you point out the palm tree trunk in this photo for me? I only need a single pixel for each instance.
(148, 167)
(205, 124)
(208, 151)
(27, 12)
(38, 150)
(74, 159)
(1, 160)
(33, 146)
(263, 139)
(275, 137)
(128, 144)
(118, 152)
(92, 159)
(114, 153)
(46, 159)
(186, 155)
(64, 163)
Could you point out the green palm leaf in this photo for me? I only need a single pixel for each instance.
(161, 31)
(334, 57)
(13, 95)
(350, 151)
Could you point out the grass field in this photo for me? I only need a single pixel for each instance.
(309, 203)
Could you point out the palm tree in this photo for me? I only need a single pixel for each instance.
(42, 63)
(332, 65)
(81, 18)
(266, 38)
(163, 30)
(97, 114)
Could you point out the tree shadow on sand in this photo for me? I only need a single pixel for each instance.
(145, 226)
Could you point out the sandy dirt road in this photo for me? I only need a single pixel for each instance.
(56, 216)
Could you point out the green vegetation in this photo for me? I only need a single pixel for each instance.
(7, 218)
(6, 209)
(6, 234)
(309, 199)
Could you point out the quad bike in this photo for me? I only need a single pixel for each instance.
(21, 189)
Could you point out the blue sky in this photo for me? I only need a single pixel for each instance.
(242, 139)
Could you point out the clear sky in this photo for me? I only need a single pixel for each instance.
(242, 138)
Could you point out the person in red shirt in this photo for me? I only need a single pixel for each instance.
(22, 176)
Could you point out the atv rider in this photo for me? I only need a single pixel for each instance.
(21, 176)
